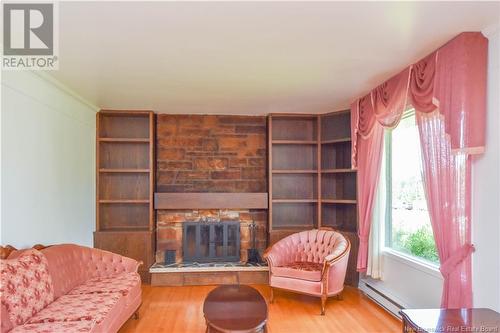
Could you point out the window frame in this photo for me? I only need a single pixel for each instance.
(409, 258)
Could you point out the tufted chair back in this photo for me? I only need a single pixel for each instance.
(310, 246)
(71, 265)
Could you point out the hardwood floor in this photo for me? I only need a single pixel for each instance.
(180, 309)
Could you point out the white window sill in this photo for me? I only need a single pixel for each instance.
(413, 262)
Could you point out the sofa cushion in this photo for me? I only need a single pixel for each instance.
(121, 283)
(303, 270)
(26, 286)
(56, 327)
(93, 307)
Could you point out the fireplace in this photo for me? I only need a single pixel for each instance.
(175, 245)
(211, 240)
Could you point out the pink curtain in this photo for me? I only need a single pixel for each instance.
(449, 88)
(447, 186)
(368, 162)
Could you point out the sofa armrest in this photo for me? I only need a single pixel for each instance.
(270, 256)
(127, 264)
(337, 256)
(107, 263)
(277, 255)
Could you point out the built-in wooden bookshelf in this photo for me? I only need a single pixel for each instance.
(293, 173)
(125, 185)
(311, 181)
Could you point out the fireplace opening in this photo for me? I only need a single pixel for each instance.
(211, 240)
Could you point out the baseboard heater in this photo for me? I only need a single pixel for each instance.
(381, 299)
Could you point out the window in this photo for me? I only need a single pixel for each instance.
(408, 228)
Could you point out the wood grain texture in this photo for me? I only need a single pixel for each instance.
(450, 320)
(180, 310)
(235, 308)
(5, 251)
(209, 278)
(210, 200)
(125, 185)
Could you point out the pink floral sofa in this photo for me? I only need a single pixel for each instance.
(312, 262)
(67, 288)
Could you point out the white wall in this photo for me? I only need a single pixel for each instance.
(408, 284)
(486, 192)
(415, 287)
(47, 162)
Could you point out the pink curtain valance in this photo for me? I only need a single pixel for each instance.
(389, 99)
(451, 79)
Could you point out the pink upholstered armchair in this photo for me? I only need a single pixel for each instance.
(312, 262)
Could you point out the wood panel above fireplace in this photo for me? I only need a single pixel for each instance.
(211, 200)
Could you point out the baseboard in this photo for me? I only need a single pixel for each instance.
(389, 304)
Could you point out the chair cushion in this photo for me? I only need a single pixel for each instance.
(93, 307)
(66, 327)
(303, 270)
(26, 286)
(122, 283)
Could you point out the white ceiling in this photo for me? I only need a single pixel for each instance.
(249, 57)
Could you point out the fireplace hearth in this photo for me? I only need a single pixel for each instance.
(211, 240)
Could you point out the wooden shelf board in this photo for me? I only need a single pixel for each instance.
(341, 140)
(294, 200)
(340, 229)
(294, 171)
(294, 142)
(125, 170)
(292, 227)
(131, 201)
(125, 140)
(338, 201)
(349, 231)
(126, 113)
(294, 115)
(338, 170)
(125, 228)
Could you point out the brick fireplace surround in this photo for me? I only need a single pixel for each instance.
(210, 154)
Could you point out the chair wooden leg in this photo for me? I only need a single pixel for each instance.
(323, 303)
(271, 299)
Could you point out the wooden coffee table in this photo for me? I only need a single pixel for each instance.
(450, 320)
(235, 308)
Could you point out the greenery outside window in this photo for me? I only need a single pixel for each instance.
(408, 228)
